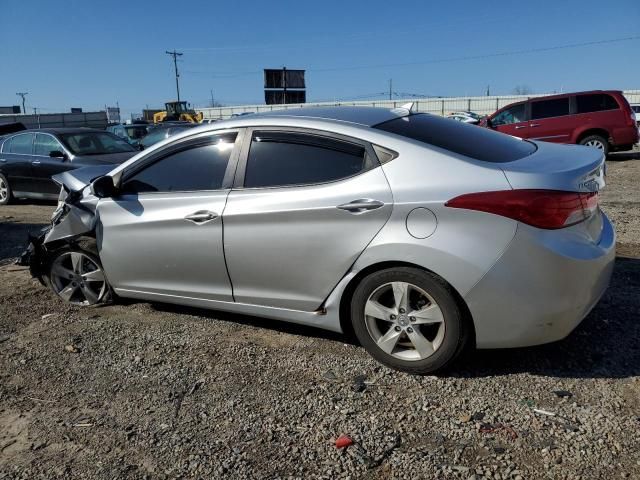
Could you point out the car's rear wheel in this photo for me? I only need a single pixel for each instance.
(596, 141)
(5, 191)
(76, 276)
(408, 319)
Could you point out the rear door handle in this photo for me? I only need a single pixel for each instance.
(201, 216)
(35, 162)
(3, 160)
(534, 125)
(361, 205)
(520, 126)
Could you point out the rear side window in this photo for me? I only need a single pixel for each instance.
(550, 108)
(596, 102)
(469, 140)
(279, 159)
(197, 168)
(20, 144)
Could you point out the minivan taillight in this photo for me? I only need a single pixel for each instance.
(549, 209)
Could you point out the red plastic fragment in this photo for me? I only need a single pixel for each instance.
(344, 441)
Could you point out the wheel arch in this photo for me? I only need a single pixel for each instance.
(601, 132)
(347, 295)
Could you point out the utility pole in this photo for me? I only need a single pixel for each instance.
(390, 87)
(213, 104)
(175, 56)
(22, 94)
(284, 85)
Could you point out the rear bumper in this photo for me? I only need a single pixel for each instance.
(542, 287)
(625, 136)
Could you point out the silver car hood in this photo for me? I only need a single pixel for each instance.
(76, 180)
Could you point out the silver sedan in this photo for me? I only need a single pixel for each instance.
(422, 235)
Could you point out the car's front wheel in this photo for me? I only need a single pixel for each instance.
(5, 191)
(408, 319)
(76, 276)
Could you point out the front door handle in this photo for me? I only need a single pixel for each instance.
(201, 216)
(3, 160)
(518, 127)
(35, 162)
(361, 205)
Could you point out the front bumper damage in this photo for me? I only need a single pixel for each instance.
(74, 218)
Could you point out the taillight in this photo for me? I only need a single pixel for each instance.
(549, 209)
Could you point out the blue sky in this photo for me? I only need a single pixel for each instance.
(87, 54)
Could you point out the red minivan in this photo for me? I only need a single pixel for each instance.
(601, 119)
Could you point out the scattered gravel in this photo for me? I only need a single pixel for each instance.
(139, 390)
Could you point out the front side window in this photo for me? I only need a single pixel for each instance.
(45, 144)
(279, 159)
(549, 108)
(95, 143)
(595, 103)
(20, 144)
(195, 168)
(510, 115)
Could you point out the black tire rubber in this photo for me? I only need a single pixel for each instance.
(89, 248)
(9, 199)
(457, 331)
(599, 138)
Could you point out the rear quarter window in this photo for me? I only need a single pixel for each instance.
(457, 137)
(596, 102)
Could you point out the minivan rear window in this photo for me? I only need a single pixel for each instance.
(468, 140)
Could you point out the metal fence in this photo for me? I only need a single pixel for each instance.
(56, 120)
(438, 106)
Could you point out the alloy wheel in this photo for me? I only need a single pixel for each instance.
(4, 190)
(595, 144)
(78, 279)
(404, 321)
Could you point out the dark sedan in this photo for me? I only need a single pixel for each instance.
(29, 158)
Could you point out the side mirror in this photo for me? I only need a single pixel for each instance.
(488, 123)
(58, 154)
(103, 187)
(140, 147)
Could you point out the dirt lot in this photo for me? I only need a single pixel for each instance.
(153, 391)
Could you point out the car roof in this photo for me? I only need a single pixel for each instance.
(61, 130)
(366, 116)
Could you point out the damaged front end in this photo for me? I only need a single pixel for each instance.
(74, 217)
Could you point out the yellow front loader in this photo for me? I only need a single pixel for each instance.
(177, 111)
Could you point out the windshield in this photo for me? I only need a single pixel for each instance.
(95, 143)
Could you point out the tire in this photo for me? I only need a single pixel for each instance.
(6, 196)
(75, 274)
(596, 141)
(439, 320)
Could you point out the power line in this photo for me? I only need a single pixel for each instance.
(437, 60)
(175, 56)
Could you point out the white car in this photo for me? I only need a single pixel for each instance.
(465, 117)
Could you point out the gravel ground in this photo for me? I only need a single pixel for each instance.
(140, 390)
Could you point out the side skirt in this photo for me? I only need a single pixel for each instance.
(325, 319)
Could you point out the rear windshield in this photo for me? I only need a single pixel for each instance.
(469, 140)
